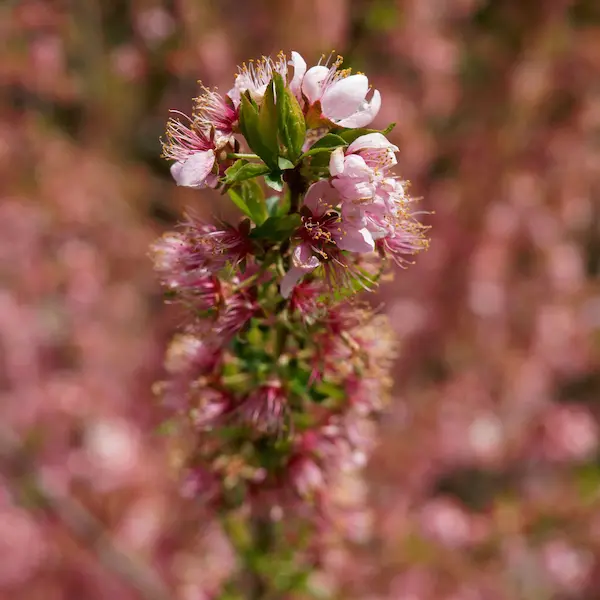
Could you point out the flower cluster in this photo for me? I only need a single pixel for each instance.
(279, 371)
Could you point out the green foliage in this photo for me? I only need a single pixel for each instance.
(268, 121)
(276, 229)
(291, 123)
(242, 170)
(274, 180)
(278, 205)
(257, 129)
(276, 130)
(284, 164)
(249, 197)
(326, 144)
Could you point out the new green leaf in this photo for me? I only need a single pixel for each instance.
(242, 170)
(325, 144)
(292, 126)
(251, 127)
(248, 196)
(277, 229)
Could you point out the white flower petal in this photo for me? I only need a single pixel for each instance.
(313, 82)
(194, 171)
(344, 97)
(355, 166)
(299, 65)
(371, 141)
(355, 240)
(336, 162)
(366, 113)
(235, 96)
(321, 197)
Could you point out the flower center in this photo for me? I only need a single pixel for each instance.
(318, 229)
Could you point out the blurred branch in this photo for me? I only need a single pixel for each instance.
(16, 463)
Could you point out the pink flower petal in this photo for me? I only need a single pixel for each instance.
(354, 189)
(355, 166)
(303, 262)
(321, 197)
(344, 97)
(289, 281)
(355, 240)
(303, 258)
(193, 171)
(364, 115)
(313, 82)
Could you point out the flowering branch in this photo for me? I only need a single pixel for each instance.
(275, 379)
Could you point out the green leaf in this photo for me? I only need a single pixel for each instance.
(278, 205)
(267, 121)
(274, 180)
(276, 229)
(248, 196)
(239, 201)
(273, 205)
(241, 170)
(328, 390)
(284, 163)
(250, 127)
(326, 143)
(292, 126)
(349, 135)
(255, 199)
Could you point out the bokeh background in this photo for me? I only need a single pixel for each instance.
(486, 481)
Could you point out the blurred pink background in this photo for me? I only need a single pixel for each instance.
(486, 482)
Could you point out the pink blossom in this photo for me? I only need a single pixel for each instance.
(193, 149)
(306, 476)
(303, 262)
(306, 299)
(239, 308)
(358, 170)
(217, 247)
(183, 273)
(406, 237)
(265, 409)
(199, 482)
(255, 76)
(213, 404)
(200, 248)
(375, 149)
(323, 224)
(324, 233)
(214, 111)
(169, 252)
(353, 178)
(342, 96)
(190, 353)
